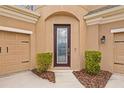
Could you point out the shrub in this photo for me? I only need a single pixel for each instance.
(44, 61)
(92, 59)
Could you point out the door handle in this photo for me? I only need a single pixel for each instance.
(7, 49)
(0, 49)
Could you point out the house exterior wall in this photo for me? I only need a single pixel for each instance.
(10, 22)
(83, 37)
(92, 37)
(62, 15)
(107, 49)
(74, 37)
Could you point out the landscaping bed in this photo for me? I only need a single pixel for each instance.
(49, 75)
(93, 81)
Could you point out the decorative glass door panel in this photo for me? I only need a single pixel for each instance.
(62, 45)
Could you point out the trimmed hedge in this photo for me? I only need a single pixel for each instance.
(92, 59)
(44, 61)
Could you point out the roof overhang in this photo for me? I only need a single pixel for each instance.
(19, 13)
(106, 16)
(10, 29)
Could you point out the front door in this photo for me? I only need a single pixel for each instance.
(61, 44)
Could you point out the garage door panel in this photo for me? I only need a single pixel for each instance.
(11, 50)
(21, 37)
(17, 49)
(1, 50)
(12, 59)
(22, 47)
(11, 69)
(1, 35)
(10, 42)
(23, 51)
(119, 37)
(25, 66)
(1, 61)
(118, 68)
(119, 52)
(15, 52)
(120, 59)
(10, 36)
(119, 46)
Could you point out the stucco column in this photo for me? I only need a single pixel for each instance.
(82, 41)
(92, 37)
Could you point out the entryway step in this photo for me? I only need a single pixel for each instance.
(61, 68)
(62, 71)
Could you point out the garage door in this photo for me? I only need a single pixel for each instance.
(14, 52)
(119, 52)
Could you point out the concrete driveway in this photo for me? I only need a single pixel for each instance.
(64, 79)
(116, 81)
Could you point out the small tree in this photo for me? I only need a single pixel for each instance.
(92, 59)
(44, 61)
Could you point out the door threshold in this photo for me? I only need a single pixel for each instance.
(62, 71)
(62, 68)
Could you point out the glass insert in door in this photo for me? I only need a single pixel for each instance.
(62, 45)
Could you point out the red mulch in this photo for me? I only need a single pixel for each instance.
(49, 75)
(93, 81)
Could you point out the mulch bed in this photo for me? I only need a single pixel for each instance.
(93, 81)
(49, 75)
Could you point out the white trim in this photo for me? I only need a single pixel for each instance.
(18, 13)
(18, 16)
(117, 30)
(102, 20)
(104, 12)
(25, 10)
(9, 29)
(94, 21)
(114, 18)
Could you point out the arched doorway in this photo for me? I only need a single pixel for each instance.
(62, 29)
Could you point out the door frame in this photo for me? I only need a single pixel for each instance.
(69, 44)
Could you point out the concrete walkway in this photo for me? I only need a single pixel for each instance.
(64, 79)
(116, 81)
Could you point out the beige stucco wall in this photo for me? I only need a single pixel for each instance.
(108, 48)
(92, 37)
(62, 15)
(94, 33)
(74, 37)
(10, 22)
(83, 37)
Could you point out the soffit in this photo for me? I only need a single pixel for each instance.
(19, 13)
(91, 7)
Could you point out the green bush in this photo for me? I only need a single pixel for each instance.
(92, 59)
(44, 61)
